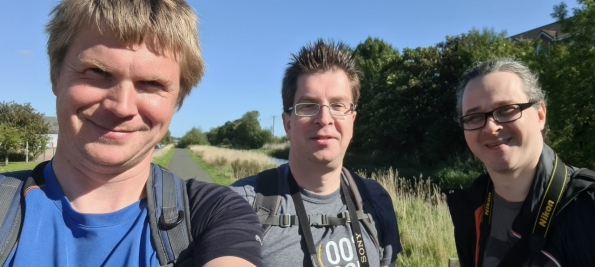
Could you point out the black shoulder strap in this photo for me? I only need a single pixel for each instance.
(534, 239)
(12, 189)
(268, 195)
(169, 217)
(361, 196)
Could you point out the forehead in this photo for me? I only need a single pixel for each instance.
(330, 85)
(89, 35)
(493, 90)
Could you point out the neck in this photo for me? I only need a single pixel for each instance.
(92, 188)
(513, 187)
(319, 179)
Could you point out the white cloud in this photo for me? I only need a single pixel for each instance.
(26, 53)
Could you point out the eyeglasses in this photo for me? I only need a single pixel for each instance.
(312, 109)
(507, 113)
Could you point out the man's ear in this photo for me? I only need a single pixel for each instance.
(541, 114)
(287, 124)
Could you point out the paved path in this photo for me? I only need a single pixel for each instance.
(184, 166)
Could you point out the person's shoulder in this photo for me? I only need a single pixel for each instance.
(247, 181)
(199, 191)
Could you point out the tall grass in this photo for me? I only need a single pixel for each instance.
(425, 226)
(235, 164)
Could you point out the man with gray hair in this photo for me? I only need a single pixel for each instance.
(314, 211)
(119, 70)
(529, 209)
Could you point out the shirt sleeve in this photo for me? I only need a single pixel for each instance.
(223, 224)
(386, 222)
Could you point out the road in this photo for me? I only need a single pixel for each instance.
(182, 165)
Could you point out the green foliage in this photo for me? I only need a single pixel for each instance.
(244, 133)
(167, 139)
(193, 137)
(566, 70)
(407, 108)
(22, 125)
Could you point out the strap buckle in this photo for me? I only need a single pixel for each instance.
(284, 220)
(346, 216)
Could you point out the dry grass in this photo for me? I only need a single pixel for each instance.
(425, 226)
(278, 146)
(236, 164)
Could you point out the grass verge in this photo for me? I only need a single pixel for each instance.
(164, 156)
(218, 175)
(17, 166)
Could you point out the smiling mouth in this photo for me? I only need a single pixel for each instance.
(497, 143)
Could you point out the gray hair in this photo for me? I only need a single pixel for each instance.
(531, 85)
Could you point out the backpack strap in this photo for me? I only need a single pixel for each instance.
(10, 211)
(363, 204)
(268, 197)
(287, 220)
(12, 192)
(169, 217)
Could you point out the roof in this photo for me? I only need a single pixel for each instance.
(550, 31)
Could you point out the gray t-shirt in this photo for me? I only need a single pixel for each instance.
(502, 239)
(283, 246)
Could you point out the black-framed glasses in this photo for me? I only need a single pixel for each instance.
(506, 113)
(312, 109)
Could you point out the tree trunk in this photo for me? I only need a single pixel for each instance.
(27, 152)
(6, 160)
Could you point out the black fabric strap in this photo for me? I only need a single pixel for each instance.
(530, 244)
(355, 227)
(305, 223)
(303, 218)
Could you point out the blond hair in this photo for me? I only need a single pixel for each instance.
(167, 25)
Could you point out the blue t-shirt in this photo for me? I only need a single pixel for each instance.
(57, 235)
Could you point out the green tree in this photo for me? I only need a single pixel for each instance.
(193, 137)
(249, 134)
(10, 138)
(566, 71)
(167, 139)
(30, 123)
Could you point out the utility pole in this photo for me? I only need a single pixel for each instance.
(274, 125)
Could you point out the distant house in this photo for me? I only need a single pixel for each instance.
(53, 134)
(547, 34)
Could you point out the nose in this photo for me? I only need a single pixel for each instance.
(121, 100)
(492, 126)
(324, 116)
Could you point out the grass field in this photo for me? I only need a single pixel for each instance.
(425, 225)
(164, 155)
(228, 165)
(17, 166)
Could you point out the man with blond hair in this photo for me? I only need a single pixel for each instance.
(314, 211)
(119, 70)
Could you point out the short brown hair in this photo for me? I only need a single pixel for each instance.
(170, 24)
(316, 57)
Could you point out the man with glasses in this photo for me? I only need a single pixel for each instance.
(314, 211)
(529, 209)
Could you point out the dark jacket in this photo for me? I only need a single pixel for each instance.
(571, 239)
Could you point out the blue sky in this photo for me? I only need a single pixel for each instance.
(247, 44)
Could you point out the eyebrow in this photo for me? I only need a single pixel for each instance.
(315, 100)
(497, 104)
(92, 62)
